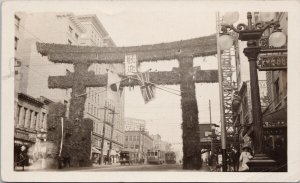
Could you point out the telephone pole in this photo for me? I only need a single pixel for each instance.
(103, 135)
(111, 134)
(211, 131)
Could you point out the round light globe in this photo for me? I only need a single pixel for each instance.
(267, 16)
(231, 17)
(277, 39)
(225, 42)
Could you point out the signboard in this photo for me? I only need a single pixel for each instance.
(131, 64)
(269, 62)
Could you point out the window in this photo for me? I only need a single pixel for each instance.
(76, 36)
(69, 42)
(16, 43)
(126, 138)
(17, 22)
(70, 29)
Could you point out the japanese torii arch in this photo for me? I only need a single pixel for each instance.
(184, 51)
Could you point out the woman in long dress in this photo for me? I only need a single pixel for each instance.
(244, 158)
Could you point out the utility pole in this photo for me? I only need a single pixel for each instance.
(221, 95)
(113, 112)
(211, 131)
(103, 134)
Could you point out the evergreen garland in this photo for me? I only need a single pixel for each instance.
(190, 127)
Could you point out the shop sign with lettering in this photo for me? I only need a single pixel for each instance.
(131, 64)
(269, 62)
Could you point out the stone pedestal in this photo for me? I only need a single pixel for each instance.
(262, 163)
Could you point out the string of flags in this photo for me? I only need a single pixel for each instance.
(131, 73)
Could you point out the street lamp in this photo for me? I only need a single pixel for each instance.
(252, 33)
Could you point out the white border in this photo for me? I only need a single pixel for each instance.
(7, 98)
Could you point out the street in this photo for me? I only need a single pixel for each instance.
(137, 167)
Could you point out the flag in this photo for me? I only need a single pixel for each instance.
(113, 81)
(147, 89)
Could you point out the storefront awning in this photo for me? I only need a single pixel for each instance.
(278, 115)
(113, 152)
(94, 150)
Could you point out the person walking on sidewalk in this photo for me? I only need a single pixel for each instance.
(235, 159)
(245, 158)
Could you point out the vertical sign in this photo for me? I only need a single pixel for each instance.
(130, 64)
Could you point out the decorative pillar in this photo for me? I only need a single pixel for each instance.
(21, 117)
(38, 119)
(32, 121)
(77, 103)
(190, 126)
(27, 117)
(252, 52)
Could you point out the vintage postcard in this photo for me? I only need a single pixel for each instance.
(155, 91)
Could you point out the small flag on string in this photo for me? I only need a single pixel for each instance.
(147, 89)
(113, 81)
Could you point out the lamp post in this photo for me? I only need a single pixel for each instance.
(252, 33)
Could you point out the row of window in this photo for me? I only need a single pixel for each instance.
(28, 118)
(132, 138)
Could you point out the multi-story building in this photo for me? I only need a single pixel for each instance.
(273, 93)
(30, 120)
(33, 70)
(138, 142)
(159, 144)
(133, 124)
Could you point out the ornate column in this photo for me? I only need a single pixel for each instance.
(21, 117)
(190, 127)
(32, 120)
(38, 119)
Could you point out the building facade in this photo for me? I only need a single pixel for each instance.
(138, 142)
(133, 124)
(106, 109)
(30, 119)
(273, 95)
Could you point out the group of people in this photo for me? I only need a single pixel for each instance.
(239, 160)
(236, 161)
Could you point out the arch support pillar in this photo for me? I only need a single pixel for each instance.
(190, 127)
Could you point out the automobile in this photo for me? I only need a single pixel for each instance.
(126, 157)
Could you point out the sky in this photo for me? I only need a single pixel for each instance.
(129, 27)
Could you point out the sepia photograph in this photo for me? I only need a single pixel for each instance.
(138, 88)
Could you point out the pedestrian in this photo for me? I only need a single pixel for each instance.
(235, 159)
(245, 158)
(23, 157)
(105, 160)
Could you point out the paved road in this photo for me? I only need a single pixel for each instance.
(145, 167)
(137, 167)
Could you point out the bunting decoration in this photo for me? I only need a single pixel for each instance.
(147, 89)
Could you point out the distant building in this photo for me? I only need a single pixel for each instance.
(207, 133)
(138, 142)
(133, 124)
(159, 144)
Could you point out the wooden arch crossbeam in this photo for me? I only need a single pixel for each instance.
(60, 53)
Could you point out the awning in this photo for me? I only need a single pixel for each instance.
(278, 115)
(94, 150)
(113, 152)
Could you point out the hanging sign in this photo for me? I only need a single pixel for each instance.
(131, 64)
(271, 62)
